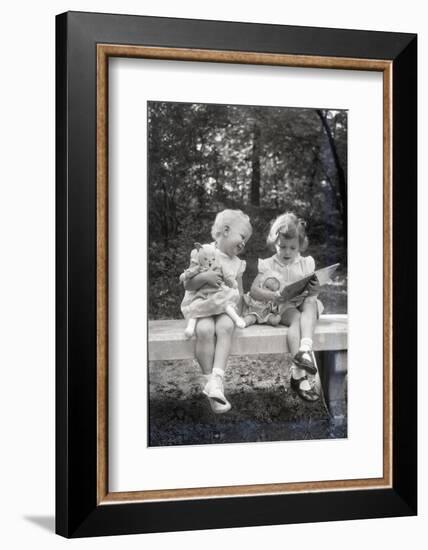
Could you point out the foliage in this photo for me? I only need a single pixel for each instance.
(263, 160)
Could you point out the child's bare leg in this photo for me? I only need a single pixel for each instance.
(224, 328)
(300, 383)
(291, 319)
(238, 320)
(205, 343)
(308, 319)
(250, 320)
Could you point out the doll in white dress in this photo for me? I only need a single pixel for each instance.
(211, 300)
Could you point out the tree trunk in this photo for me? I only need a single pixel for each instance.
(219, 178)
(164, 226)
(341, 180)
(255, 162)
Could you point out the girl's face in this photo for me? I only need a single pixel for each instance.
(287, 249)
(233, 239)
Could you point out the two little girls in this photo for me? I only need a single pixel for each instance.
(263, 304)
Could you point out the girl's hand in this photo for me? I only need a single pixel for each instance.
(277, 298)
(212, 278)
(313, 287)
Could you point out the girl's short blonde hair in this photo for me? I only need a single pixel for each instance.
(289, 226)
(227, 218)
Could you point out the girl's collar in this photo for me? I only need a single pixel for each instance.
(296, 259)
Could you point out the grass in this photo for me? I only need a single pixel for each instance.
(263, 407)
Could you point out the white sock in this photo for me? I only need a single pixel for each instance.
(214, 385)
(305, 344)
(217, 371)
(208, 378)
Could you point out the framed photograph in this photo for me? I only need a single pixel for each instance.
(236, 242)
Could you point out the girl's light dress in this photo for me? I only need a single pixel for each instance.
(300, 267)
(208, 300)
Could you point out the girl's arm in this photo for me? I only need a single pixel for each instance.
(313, 287)
(210, 277)
(240, 286)
(241, 293)
(262, 294)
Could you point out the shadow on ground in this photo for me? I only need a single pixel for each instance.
(45, 522)
(263, 406)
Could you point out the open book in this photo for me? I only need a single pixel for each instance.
(323, 276)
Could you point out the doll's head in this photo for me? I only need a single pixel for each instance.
(206, 255)
(287, 237)
(271, 283)
(231, 231)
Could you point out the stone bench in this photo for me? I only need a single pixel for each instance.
(167, 342)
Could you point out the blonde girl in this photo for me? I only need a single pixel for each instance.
(287, 238)
(230, 231)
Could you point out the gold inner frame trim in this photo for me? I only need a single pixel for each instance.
(104, 51)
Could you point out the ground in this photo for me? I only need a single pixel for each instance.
(263, 406)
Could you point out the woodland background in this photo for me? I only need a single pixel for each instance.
(263, 160)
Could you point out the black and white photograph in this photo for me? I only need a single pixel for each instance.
(247, 273)
(214, 256)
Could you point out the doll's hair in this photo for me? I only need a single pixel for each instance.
(227, 218)
(289, 226)
(271, 278)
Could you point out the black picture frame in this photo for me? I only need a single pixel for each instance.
(78, 511)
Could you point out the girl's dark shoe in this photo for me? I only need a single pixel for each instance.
(303, 359)
(307, 395)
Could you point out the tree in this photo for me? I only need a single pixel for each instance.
(340, 173)
(255, 167)
(264, 160)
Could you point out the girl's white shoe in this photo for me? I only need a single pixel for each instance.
(214, 391)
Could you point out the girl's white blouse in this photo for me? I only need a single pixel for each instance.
(300, 267)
